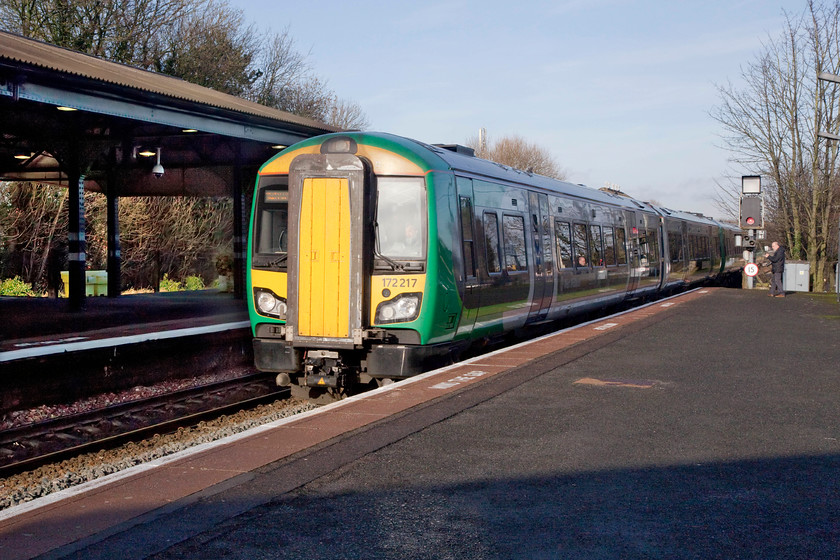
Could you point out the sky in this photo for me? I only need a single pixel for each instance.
(617, 91)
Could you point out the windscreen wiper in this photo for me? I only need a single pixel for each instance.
(272, 263)
(394, 264)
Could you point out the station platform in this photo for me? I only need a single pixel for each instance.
(703, 426)
(38, 326)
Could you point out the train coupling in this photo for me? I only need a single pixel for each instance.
(324, 369)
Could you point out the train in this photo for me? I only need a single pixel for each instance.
(373, 257)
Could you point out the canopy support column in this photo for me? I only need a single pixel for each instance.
(113, 187)
(239, 229)
(76, 238)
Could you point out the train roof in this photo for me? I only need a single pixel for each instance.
(688, 216)
(460, 158)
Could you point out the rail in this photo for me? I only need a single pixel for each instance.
(33, 445)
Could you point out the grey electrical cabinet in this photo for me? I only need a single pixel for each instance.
(797, 276)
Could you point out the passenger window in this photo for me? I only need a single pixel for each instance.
(491, 241)
(563, 241)
(581, 246)
(675, 246)
(652, 246)
(609, 247)
(516, 256)
(621, 246)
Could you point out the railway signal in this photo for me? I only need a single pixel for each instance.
(752, 212)
(751, 220)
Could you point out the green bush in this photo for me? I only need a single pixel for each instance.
(193, 283)
(190, 283)
(16, 287)
(169, 285)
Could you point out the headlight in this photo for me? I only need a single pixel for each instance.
(269, 304)
(403, 308)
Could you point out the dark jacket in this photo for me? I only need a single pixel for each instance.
(778, 259)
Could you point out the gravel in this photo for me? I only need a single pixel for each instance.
(28, 486)
(25, 417)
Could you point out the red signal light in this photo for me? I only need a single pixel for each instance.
(750, 220)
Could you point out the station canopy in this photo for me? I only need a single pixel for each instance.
(60, 109)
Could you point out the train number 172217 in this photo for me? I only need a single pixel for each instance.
(399, 282)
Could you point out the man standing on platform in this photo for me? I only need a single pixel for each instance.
(777, 258)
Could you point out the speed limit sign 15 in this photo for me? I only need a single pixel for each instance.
(751, 269)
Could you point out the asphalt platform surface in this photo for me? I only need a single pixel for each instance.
(708, 432)
(31, 318)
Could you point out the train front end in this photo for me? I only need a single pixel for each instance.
(341, 267)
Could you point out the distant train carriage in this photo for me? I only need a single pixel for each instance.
(374, 257)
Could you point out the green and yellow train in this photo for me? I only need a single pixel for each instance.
(373, 257)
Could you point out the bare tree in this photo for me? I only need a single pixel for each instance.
(771, 126)
(202, 41)
(308, 97)
(178, 236)
(279, 65)
(212, 48)
(515, 151)
(284, 81)
(347, 115)
(120, 30)
(31, 222)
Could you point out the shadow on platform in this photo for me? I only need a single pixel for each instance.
(763, 508)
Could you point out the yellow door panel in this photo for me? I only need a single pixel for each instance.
(324, 263)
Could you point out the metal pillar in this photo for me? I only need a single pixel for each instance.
(239, 228)
(751, 259)
(114, 258)
(76, 239)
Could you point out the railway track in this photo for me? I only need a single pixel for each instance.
(33, 445)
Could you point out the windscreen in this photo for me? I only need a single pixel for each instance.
(401, 217)
(271, 236)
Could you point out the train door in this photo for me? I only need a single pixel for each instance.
(543, 274)
(326, 227)
(650, 235)
(676, 252)
(465, 271)
(631, 243)
(585, 277)
(323, 264)
(548, 255)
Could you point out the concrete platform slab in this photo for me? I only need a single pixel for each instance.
(683, 442)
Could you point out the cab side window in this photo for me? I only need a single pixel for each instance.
(491, 242)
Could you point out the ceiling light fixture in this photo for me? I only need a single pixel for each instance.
(157, 170)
